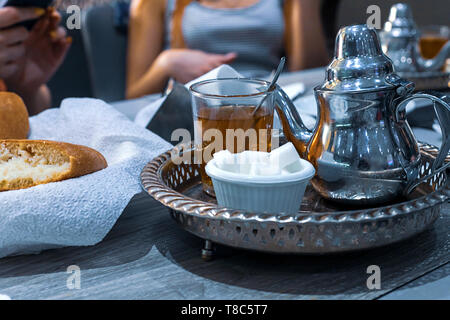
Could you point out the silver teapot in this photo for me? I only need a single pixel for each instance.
(400, 42)
(362, 147)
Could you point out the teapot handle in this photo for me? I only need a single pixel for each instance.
(441, 106)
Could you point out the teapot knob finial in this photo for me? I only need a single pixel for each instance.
(400, 11)
(401, 20)
(357, 41)
(359, 63)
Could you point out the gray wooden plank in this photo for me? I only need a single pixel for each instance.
(146, 256)
(435, 285)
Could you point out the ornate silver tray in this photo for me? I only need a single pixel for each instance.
(320, 227)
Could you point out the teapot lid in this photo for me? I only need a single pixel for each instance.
(400, 22)
(359, 64)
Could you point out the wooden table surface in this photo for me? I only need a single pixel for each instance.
(147, 256)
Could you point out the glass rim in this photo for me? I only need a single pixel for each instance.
(194, 90)
(438, 30)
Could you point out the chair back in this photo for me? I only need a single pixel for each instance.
(105, 40)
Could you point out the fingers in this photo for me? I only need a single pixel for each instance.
(12, 47)
(48, 26)
(58, 34)
(8, 70)
(41, 28)
(217, 60)
(229, 57)
(55, 18)
(11, 53)
(224, 57)
(10, 16)
(12, 35)
(186, 65)
(61, 48)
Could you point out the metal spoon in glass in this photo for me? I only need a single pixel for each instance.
(273, 83)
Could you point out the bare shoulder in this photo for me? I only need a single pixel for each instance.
(146, 7)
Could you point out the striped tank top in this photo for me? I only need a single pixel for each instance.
(255, 33)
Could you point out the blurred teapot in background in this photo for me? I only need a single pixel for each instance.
(400, 42)
(362, 147)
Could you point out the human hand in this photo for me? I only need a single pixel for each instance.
(45, 49)
(12, 38)
(185, 65)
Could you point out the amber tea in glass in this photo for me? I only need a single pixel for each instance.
(237, 112)
(432, 39)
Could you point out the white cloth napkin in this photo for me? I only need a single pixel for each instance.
(80, 211)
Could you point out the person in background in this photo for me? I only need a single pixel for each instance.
(28, 59)
(183, 39)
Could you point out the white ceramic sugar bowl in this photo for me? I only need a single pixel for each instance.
(281, 193)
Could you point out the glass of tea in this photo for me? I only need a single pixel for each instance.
(230, 113)
(432, 39)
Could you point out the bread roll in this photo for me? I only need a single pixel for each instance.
(13, 117)
(27, 163)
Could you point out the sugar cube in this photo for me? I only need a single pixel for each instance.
(251, 157)
(225, 160)
(269, 171)
(293, 167)
(284, 156)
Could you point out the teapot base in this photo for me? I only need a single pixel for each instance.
(358, 191)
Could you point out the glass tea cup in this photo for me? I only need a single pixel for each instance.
(432, 39)
(226, 116)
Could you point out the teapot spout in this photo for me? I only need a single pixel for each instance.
(294, 129)
(436, 63)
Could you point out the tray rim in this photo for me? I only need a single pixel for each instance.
(155, 187)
